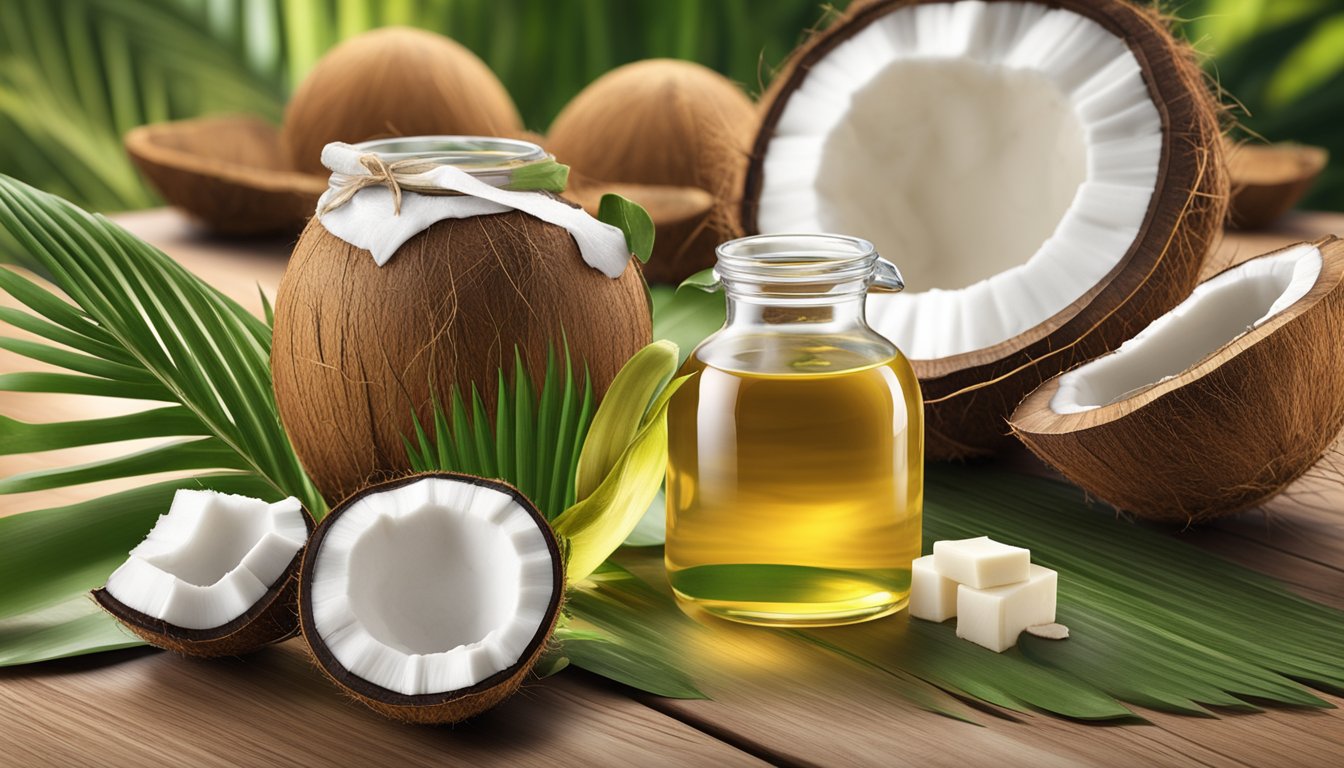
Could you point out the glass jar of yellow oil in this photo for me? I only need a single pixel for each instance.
(795, 474)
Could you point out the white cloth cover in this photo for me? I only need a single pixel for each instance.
(368, 221)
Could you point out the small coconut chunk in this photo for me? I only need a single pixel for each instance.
(210, 558)
(981, 562)
(933, 596)
(994, 617)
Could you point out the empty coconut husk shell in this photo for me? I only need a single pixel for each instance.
(1269, 179)
(1229, 431)
(230, 173)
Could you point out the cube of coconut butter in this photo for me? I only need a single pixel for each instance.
(981, 562)
(994, 617)
(933, 596)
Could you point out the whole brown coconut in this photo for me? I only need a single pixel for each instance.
(358, 347)
(968, 395)
(394, 81)
(663, 123)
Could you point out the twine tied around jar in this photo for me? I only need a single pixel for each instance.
(396, 176)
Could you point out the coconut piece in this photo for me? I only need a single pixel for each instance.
(1268, 180)
(1215, 406)
(1048, 176)
(430, 598)
(358, 348)
(1050, 631)
(216, 576)
(229, 172)
(394, 81)
(663, 122)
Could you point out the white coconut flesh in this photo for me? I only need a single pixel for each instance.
(1219, 311)
(431, 587)
(1004, 155)
(210, 559)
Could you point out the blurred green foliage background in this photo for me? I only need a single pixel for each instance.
(77, 74)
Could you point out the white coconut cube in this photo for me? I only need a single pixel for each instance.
(994, 617)
(981, 562)
(933, 596)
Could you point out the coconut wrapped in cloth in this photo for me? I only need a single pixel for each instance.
(1049, 175)
(425, 268)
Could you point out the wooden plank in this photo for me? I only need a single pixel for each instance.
(274, 708)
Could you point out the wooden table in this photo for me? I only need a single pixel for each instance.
(775, 701)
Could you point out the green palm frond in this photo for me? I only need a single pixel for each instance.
(137, 325)
(77, 74)
(533, 443)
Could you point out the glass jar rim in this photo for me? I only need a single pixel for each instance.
(474, 154)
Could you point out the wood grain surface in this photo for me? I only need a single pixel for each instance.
(774, 698)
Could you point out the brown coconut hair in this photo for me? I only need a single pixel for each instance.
(358, 349)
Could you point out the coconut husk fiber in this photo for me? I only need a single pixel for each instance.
(663, 123)
(230, 173)
(394, 81)
(968, 397)
(1269, 179)
(1225, 435)
(358, 348)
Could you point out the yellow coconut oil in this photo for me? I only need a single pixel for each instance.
(795, 475)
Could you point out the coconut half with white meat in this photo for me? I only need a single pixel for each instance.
(1214, 407)
(430, 598)
(1047, 175)
(216, 576)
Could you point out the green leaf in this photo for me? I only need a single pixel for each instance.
(542, 176)
(704, 280)
(594, 527)
(50, 559)
(143, 326)
(635, 222)
(632, 665)
(531, 441)
(685, 318)
(621, 413)
(159, 422)
(645, 636)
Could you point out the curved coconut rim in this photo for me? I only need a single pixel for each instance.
(144, 623)
(1035, 416)
(1122, 20)
(346, 679)
(140, 143)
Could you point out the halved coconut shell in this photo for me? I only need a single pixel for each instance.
(229, 172)
(430, 598)
(1217, 405)
(271, 618)
(1047, 175)
(1268, 180)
